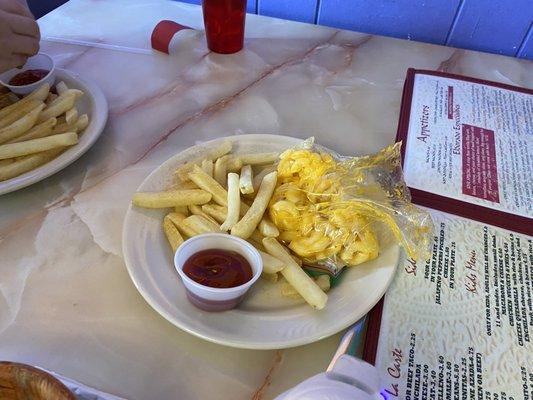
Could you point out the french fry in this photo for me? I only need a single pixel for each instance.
(37, 145)
(201, 224)
(27, 163)
(287, 290)
(76, 92)
(258, 245)
(234, 202)
(259, 177)
(82, 122)
(7, 161)
(271, 264)
(5, 100)
(171, 198)
(245, 227)
(296, 276)
(255, 159)
(245, 180)
(217, 212)
(257, 236)
(297, 260)
(197, 210)
(61, 87)
(39, 94)
(41, 130)
(183, 185)
(182, 210)
(207, 167)
(220, 171)
(233, 164)
(80, 125)
(14, 98)
(19, 113)
(71, 116)
(50, 98)
(270, 277)
(179, 221)
(59, 106)
(205, 182)
(267, 228)
(223, 149)
(173, 236)
(22, 125)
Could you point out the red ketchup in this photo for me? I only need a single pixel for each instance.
(218, 268)
(224, 25)
(27, 77)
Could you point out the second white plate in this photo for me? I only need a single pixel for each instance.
(94, 104)
(265, 320)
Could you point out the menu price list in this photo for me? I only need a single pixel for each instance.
(507, 268)
(448, 379)
(458, 326)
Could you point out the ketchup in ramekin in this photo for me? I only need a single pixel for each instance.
(28, 77)
(218, 268)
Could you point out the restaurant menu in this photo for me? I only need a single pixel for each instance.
(460, 325)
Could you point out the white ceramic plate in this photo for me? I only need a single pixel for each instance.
(94, 104)
(264, 320)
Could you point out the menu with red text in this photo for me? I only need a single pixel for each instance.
(468, 144)
(460, 325)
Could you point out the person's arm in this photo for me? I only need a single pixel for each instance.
(19, 34)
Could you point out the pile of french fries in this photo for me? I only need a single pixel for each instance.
(229, 193)
(37, 128)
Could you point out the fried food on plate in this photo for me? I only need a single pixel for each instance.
(271, 264)
(27, 163)
(207, 167)
(37, 128)
(173, 236)
(20, 112)
(220, 171)
(201, 224)
(183, 226)
(40, 130)
(171, 198)
(323, 282)
(209, 154)
(21, 125)
(12, 150)
(296, 276)
(245, 181)
(268, 228)
(197, 210)
(234, 203)
(245, 227)
(205, 182)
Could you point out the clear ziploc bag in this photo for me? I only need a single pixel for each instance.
(331, 209)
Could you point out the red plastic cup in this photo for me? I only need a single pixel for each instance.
(224, 25)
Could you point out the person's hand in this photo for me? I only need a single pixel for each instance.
(19, 34)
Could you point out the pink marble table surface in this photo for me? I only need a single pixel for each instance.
(66, 300)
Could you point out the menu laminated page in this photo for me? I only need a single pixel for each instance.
(460, 324)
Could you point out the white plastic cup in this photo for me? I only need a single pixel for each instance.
(38, 61)
(209, 298)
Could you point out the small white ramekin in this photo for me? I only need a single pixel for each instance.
(209, 298)
(38, 61)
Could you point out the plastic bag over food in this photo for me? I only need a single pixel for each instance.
(330, 208)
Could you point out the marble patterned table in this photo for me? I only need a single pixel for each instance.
(66, 301)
